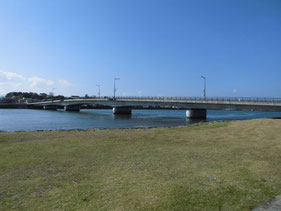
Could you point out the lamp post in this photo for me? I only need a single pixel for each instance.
(99, 89)
(53, 94)
(204, 90)
(114, 90)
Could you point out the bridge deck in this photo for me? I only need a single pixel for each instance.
(255, 104)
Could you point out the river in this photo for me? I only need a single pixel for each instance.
(32, 120)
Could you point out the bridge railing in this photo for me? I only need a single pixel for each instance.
(232, 99)
(163, 98)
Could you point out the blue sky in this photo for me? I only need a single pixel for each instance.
(156, 47)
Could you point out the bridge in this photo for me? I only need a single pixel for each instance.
(196, 107)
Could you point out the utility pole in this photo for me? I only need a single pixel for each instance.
(114, 90)
(204, 90)
(99, 89)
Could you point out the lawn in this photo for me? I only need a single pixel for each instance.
(215, 166)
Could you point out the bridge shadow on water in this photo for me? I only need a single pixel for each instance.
(122, 117)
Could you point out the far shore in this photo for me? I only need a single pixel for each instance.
(14, 105)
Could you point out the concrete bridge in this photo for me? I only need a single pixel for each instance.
(196, 107)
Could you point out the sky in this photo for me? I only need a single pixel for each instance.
(155, 47)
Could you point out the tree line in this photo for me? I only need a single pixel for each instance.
(31, 95)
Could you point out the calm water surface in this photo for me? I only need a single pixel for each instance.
(30, 120)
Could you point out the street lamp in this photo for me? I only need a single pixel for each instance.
(52, 94)
(99, 89)
(114, 90)
(204, 91)
(53, 91)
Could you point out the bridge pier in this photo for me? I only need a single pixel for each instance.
(196, 114)
(75, 108)
(122, 110)
(50, 107)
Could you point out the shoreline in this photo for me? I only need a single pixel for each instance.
(135, 128)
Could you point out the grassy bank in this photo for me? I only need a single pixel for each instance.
(142, 169)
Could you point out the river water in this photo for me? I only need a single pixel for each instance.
(31, 120)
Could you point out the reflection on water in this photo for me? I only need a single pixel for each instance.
(124, 116)
(29, 120)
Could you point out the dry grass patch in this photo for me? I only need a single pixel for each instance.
(142, 169)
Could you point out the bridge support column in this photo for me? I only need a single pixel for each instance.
(122, 110)
(196, 114)
(75, 108)
(50, 107)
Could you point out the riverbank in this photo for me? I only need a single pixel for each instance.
(224, 165)
(13, 106)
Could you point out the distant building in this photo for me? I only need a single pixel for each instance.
(74, 97)
(28, 100)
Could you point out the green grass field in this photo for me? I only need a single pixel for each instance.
(142, 169)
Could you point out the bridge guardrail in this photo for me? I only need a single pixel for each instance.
(236, 99)
(155, 98)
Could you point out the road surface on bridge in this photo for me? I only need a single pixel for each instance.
(251, 104)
